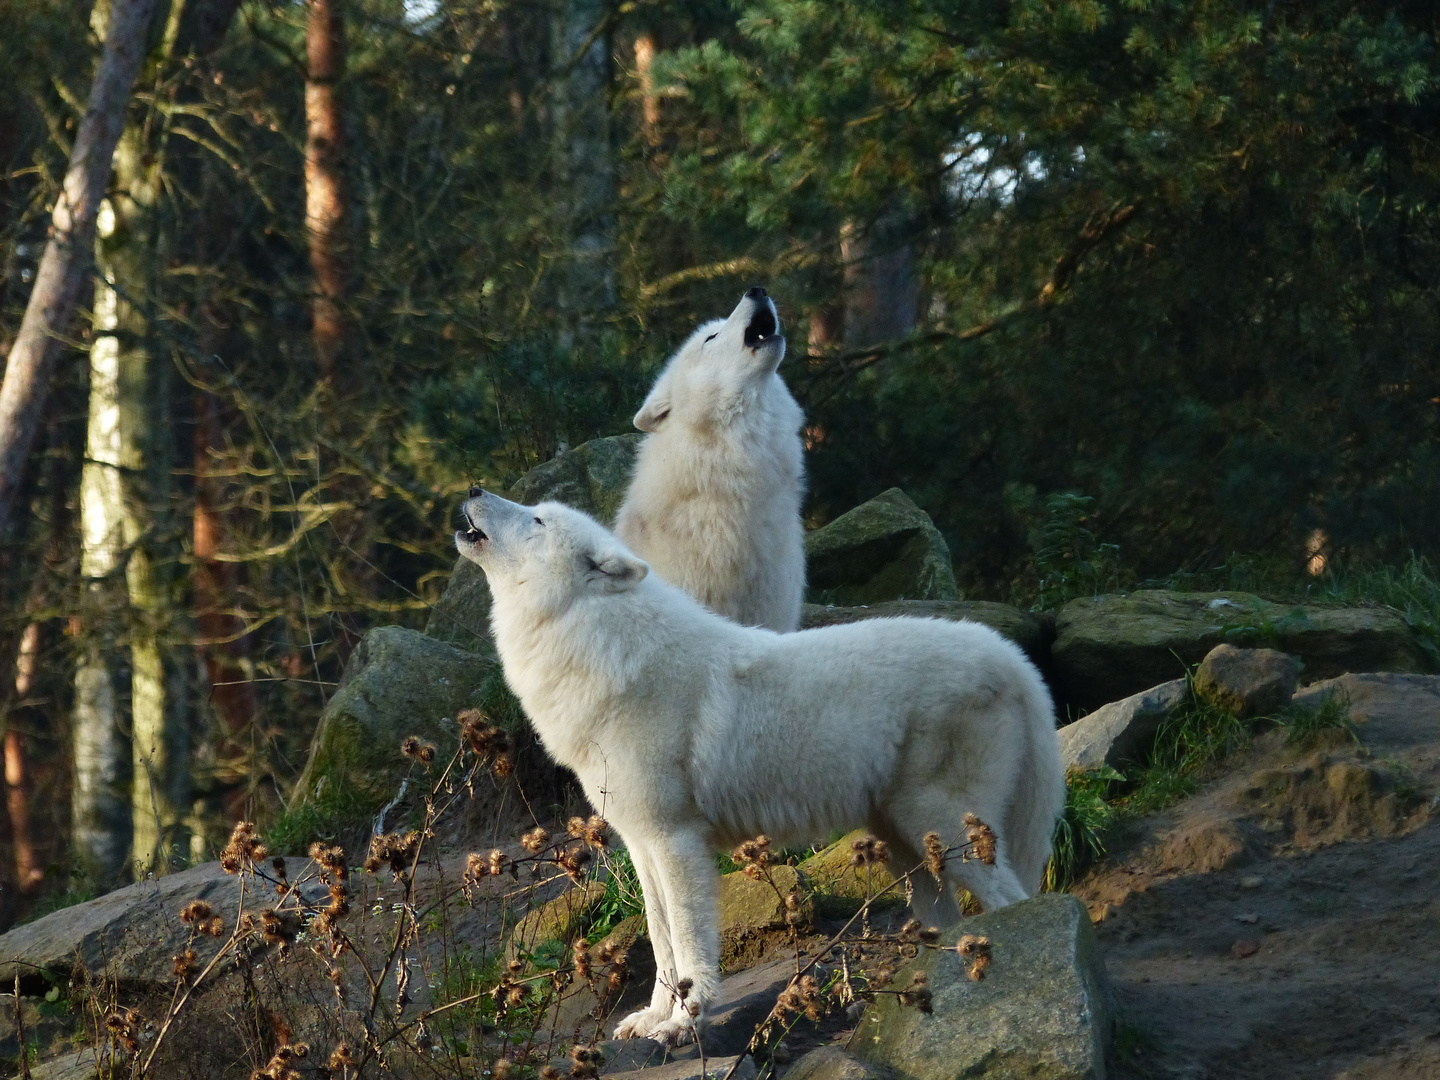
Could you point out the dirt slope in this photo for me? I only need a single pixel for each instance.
(1285, 921)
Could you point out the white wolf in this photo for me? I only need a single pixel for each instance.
(691, 733)
(714, 505)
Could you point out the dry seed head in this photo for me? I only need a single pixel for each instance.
(978, 966)
(918, 995)
(341, 1058)
(549, 1072)
(410, 747)
(185, 963)
(981, 838)
(196, 912)
(535, 839)
(934, 855)
(244, 849)
(501, 1069)
(580, 958)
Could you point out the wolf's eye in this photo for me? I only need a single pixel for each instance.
(539, 522)
(711, 338)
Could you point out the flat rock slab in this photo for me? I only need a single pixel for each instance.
(1121, 731)
(1021, 627)
(1041, 1011)
(132, 933)
(691, 1069)
(1109, 647)
(885, 549)
(746, 998)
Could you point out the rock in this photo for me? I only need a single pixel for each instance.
(838, 887)
(752, 916)
(745, 1000)
(1247, 682)
(1202, 846)
(576, 1014)
(397, 683)
(1040, 1012)
(689, 1069)
(592, 477)
(561, 919)
(1109, 647)
(885, 549)
(1121, 731)
(75, 1065)
(130, 934)
(832, 1063)
(1021, 627)
(43, 1030)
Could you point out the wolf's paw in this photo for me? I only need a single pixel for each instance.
(669, 1028)
(640, 1024)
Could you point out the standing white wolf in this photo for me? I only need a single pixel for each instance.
(691, 733)
(714, 505)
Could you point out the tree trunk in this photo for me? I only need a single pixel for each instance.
(124, 492)
(649, 100)
(29, 873)
(325, 202)
(882, 285)
(65, 264)
(585, 158)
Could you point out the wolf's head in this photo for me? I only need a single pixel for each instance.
(721, 362)
(545, 556)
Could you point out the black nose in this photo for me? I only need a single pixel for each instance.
(755, 292)
(476, 490)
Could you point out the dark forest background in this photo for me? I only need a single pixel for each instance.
(1142, 290)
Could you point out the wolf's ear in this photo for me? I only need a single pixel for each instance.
(653, 413)
(616, 570)
(657, 406)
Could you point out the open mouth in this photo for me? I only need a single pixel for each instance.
(763, 326)
(472, 533)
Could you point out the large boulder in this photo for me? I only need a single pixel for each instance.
(1247, 682)
(839, 887)
(1122, 731)
(131, 934)
(753, 914)
(885, 549)
(1021, 627)
(1040, 1012)
(592, 477)
(398, 683)
(1109, 647)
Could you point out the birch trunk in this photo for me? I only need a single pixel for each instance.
(65, 264)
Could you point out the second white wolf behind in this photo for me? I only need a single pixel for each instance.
(714, 505)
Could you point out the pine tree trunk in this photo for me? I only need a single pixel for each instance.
(325, 199)
(29, 872)
(649, 100)
(882, 283)
(65, 265)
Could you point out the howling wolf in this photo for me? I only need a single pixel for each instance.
(714, 505)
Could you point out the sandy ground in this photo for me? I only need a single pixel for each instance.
(1285, 921)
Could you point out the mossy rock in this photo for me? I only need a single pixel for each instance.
(398, 683)
(885, 549)
(563, 919)
(592, 477)
(1023, 628)
(1041, 1011)
(840, 888)
(1109, 647)
(752, 915)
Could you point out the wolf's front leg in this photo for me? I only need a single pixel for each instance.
(680, 897)
(640, 1024)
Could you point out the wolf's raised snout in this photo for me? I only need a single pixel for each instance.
(755, 292)
(476, 491)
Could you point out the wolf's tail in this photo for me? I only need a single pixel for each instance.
(1039, 796)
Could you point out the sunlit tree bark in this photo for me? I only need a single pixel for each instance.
(65, 264)
(882, 284)
(325, 200)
